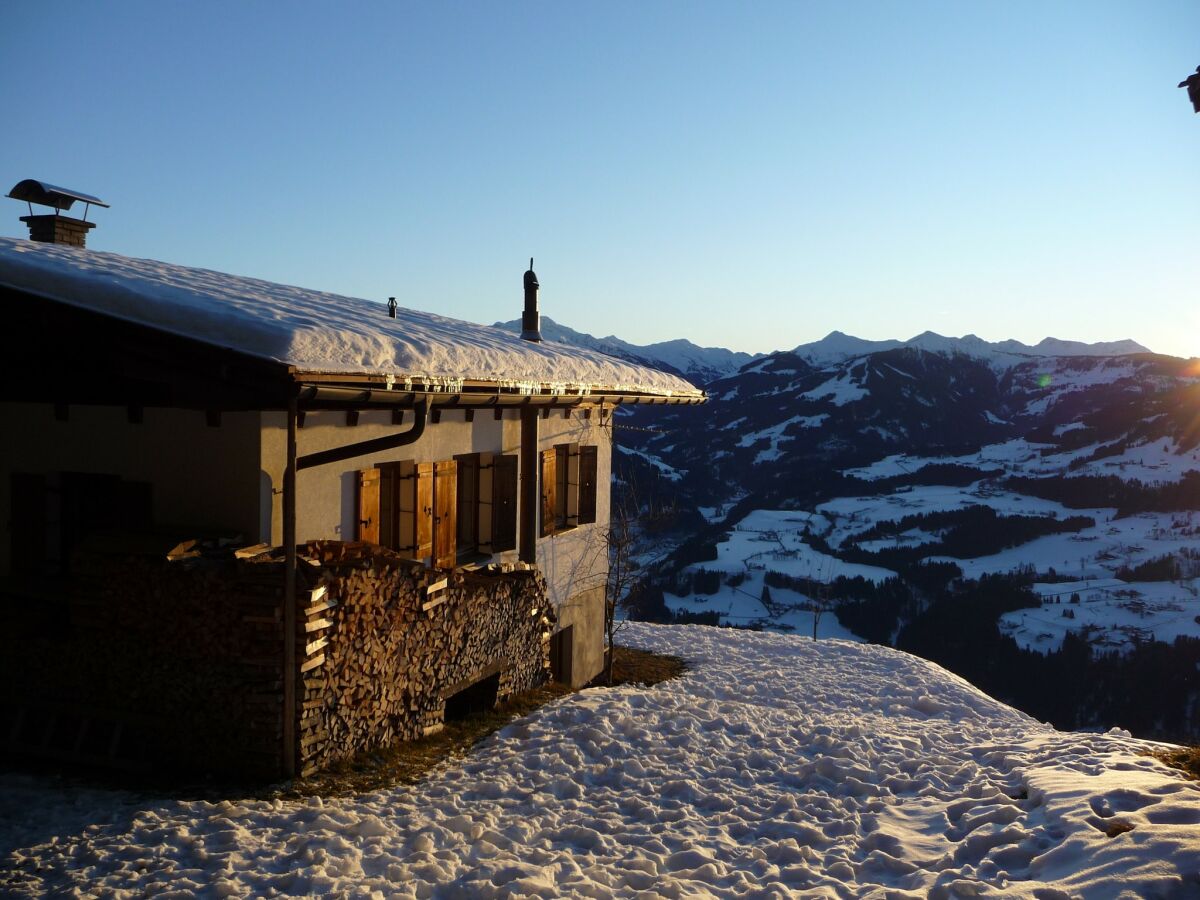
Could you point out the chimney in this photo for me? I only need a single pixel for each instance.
(531, 320)
(55, 228)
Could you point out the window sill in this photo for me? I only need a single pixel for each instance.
(473, 560)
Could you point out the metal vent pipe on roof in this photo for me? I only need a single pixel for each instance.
(531, 320)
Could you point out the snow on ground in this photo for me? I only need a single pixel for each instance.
(778, 766)
(1159, 460)
(665, 470)
(852, 515)
(1112, 615)
(1096, 552)
(312, 330)
(1057, 378)
(773, 539)
(775, 432)
(787, 610)
(1012, 455)
(840, 390)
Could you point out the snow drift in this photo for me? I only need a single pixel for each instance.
(776, 767)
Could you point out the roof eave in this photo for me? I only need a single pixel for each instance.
(324, 394)
(388, 390)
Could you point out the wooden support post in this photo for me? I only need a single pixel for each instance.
(527, 541)
(289, 596)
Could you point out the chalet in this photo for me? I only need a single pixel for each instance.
(256, 527)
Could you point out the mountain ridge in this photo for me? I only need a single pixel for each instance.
(838, 346)
(704, 365)
(678, 356)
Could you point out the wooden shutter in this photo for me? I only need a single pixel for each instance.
(549, 485)
(445, 490)
(423, 516)
(587, 484)
(366, 511)
(504, 503)
(415, 510)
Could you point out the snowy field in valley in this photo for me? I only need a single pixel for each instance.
(1096, 552)
(772, 540)
(1111, 615)
(776, 767)
(850, 515)
(1157, 460)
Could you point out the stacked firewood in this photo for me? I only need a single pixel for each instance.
(188, 650)
(190, 647)
(385, 642)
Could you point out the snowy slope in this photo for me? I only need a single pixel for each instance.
(777, 767)
(311, 330)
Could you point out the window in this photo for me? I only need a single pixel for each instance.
(504, 503)
(468, 502)
(587, 484)
(53, 514)
(569, 474)
(400, 505)
(562, 469)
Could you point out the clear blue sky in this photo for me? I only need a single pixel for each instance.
(749, 175)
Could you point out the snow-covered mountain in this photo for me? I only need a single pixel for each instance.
(783, 420)
(836, 347)
(699, 365)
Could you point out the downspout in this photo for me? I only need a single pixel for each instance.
(529, 484)
(376, 445)
(289, 595)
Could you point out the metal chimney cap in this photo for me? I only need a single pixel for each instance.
(530, 276)
(33, 191)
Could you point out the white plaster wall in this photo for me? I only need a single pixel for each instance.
(202, 476)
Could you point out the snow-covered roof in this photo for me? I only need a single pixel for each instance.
(313, 331)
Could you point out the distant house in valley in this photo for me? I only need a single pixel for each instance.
(261, 527)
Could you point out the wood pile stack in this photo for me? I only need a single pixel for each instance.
(190, 649)
(384, 641)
